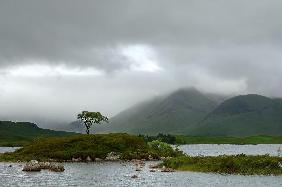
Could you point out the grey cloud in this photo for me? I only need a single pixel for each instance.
(67, 29)
(219, 46)
(259, 65)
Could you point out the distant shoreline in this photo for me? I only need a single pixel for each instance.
(232, 140)
(178, 140)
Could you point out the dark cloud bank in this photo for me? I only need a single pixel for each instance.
(59, 57)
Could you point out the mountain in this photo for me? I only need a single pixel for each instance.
(173, 113)
(242, 116)
(18, 133)
(190, 112)
(75, 126)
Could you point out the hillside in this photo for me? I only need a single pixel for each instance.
(169, 114)
(19, 133)
(243, 116)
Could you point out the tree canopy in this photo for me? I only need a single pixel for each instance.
(89, 118)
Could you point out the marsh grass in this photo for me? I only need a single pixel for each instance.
(234, 164)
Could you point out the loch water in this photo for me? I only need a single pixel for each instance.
(120, 173)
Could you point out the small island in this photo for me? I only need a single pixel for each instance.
(115, 146)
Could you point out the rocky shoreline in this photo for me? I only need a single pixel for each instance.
(112, 156)
(34, 165)
(55, 166)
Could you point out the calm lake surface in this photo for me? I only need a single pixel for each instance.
(227, 149)
(8, 149)
(119, 174)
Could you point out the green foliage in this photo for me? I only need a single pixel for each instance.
(82, 146)
(238, 164)
(22, 133)
(167, 138)
(88, 118)
(163, 149)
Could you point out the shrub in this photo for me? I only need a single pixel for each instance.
(163, 149)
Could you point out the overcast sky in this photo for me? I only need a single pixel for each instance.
(59, 57)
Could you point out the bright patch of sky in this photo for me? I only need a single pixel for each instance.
(46, 70)
(141, 57)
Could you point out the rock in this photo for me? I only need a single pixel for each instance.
(33, 162)
(134, 176)
(44, 165)
(162, 158)
(142, 163)
(37, 166)
(56, 168)
(10, 166)
(153, 166)
(167, 170)
(88, 159)
(280, 164)
(152, 170)
(138, 169)
(98, 159)
(32, 168)
(112, 156)
(150, 157)
(138, 162)
(32, 165)
(76, 159)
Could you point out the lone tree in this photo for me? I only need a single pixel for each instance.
(88, 118)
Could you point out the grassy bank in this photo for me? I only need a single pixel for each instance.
(14, 142)
(93, 146)
(239, 164)
(17, 134)
(181, 139)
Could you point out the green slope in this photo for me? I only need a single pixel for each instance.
(20, 133)
(189, 112)
(182, 139)
(170, 114)
(243, 116)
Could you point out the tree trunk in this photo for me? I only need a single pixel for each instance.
(87, 130)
